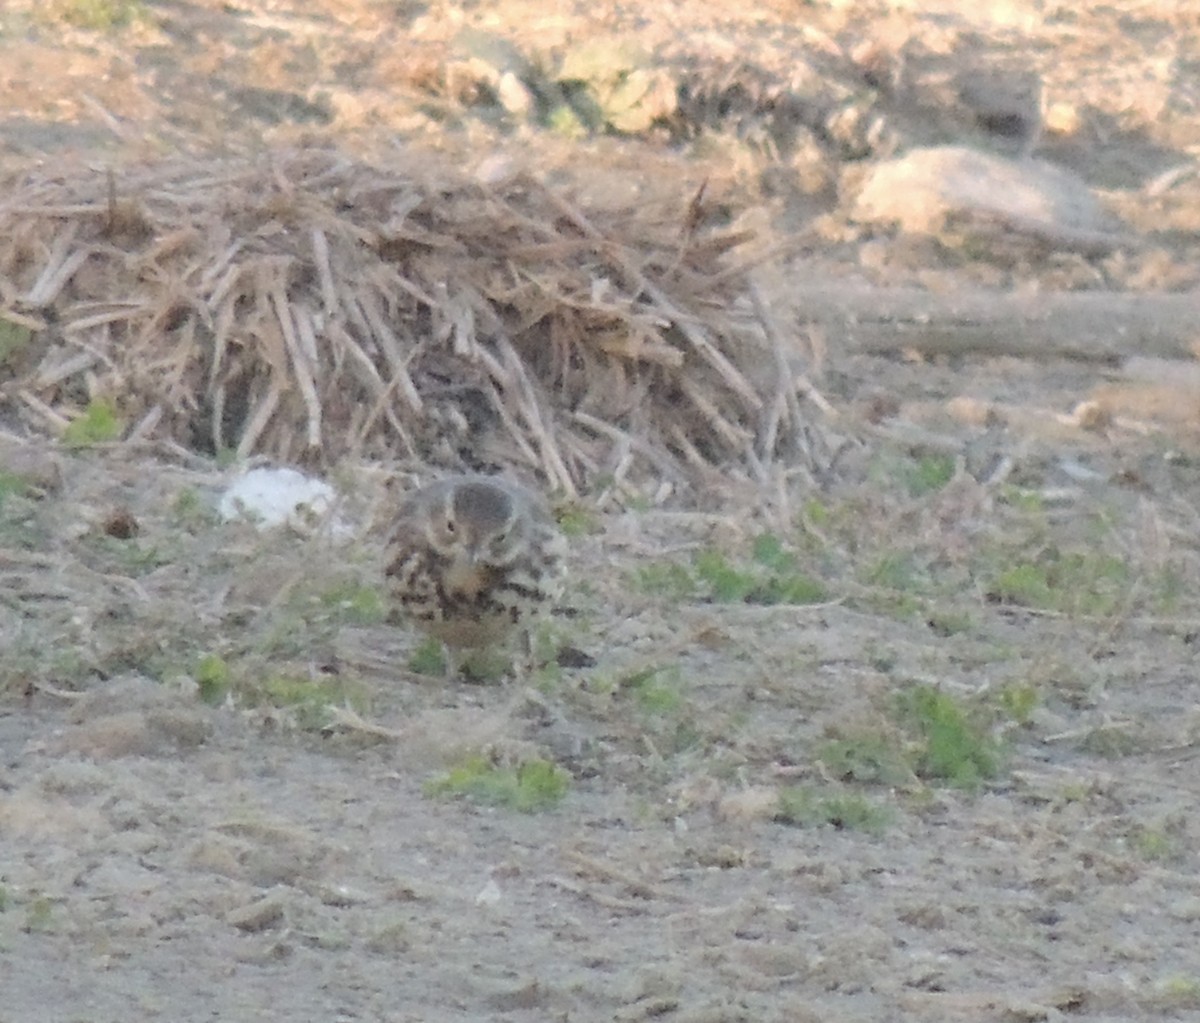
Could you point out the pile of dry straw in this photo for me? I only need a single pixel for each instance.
(307, 306)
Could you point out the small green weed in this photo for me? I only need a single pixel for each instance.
(770, 576)
(665, 579)
(429, 658)
(726, 584)
(98, 424)
(191, 511)
(1071, 582)
(1110, 741)
(488, 666)
(867, 757)
(949, 622)
(953, 747)
(1024, 500)
(807, 807)
(308, 698)
(816, 514)
(39, 916)
(97, 15)
(1025, 585)
(1154, 843)
(212, 676)
(576, 520)
(534, 785)
(564, 121)
(130, 557)
(611, 85)
(918, 474)
(656, 690)
(355, 604)
(14, 338)
(929, 473)
(1019, 700)
(897, 571)
(12, 485)
(1178, 993)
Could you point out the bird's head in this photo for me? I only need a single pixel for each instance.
(479, 522)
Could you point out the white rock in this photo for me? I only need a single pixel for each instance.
(920, 190)
(277, 497)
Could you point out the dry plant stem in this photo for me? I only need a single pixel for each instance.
(729, 372)
(306, 302)
(1094, 326)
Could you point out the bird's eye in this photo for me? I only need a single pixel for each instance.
(450, 526)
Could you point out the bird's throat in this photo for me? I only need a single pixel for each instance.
(465, 577)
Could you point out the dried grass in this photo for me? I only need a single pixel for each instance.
(311, 307)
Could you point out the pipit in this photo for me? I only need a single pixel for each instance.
(474, 560)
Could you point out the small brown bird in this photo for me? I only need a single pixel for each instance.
(474, 559)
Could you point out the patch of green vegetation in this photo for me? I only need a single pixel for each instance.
(954, 746)
(97, 15)
(355, 603)
(213, 678)
(928, 474)
(429, 658)
(1154, 843)
(98, 424)
(867, 757)
(1170, 591)
(39, 916)
(564, 121)
(1026, 585)
(902, 607)
(726, 584)
(1022, 499)
(897, 571)
(807, 807)
(12, 485)
(14, 338)
(486, 666)
(1019, 700)
(1071, 582)
(576, 520)
(1176, 993)
(656, 690)
(191, 511)
(816, 513)
(918, 474)
(547, 677)
(770, 576)
(1110, 741)
(880, 656)
(609, 83)
(309, 699)
(130, 558)
(392, 938)
(531, 787)
(949, 621)
(665, 579)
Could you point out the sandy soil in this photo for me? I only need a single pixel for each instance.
(167, 857)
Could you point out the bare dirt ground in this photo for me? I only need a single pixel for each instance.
(214, 792)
